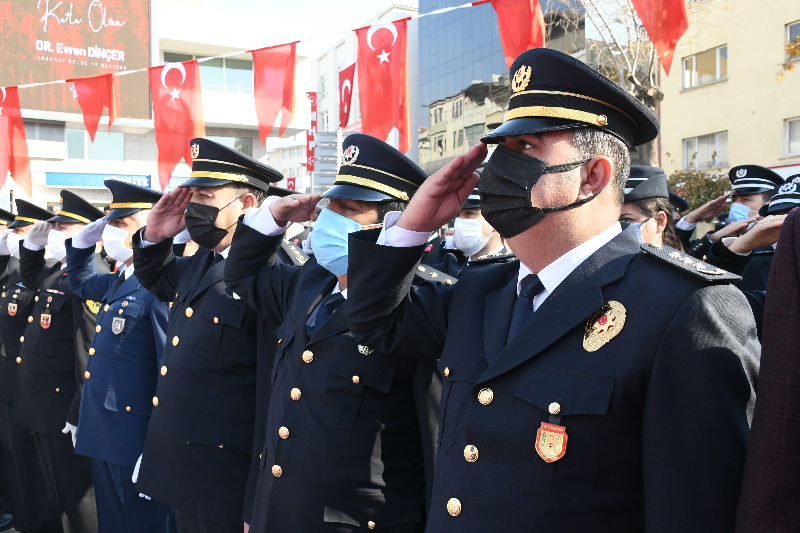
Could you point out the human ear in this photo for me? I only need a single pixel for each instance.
(596, 175)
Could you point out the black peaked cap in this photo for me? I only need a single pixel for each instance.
(214, 165)
(127, 199)
(753, 179)
(76, 209)
(28, 213)
(554, 91)
(373, 171)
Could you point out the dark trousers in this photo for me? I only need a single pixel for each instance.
(70, 477)
(9, 478)
(38, 497)
(119, 507)
(189, 523)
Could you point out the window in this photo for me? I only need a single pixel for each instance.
(707, 151)
(323, 87)
(458, 108)
(793, 37)
(228, 75)
(323, 121)
(705, 67)
(106, 147)
(793, 136)
(240, 144)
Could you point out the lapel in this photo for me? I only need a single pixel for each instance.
(128, 286)
(312, 288)
(336, 324)
(498, 310)
(200, 282)
(573, 301)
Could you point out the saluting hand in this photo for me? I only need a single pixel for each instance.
(441, 196)
(294, 208)
(166, 218)
(708, 210)
(764, 233)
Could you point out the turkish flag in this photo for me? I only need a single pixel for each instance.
(665, 22)
(345, 93)
(383, 82)
(93, 94)
(274, 87)
(177, 113)
(521, 26)
(13, 147)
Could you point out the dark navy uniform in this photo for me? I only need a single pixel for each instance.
(197, 453)
(126, 357)
(53, 357)
(350, 433)
(592, 416)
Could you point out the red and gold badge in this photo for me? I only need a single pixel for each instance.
(603, 325)
(44, 321)
(12, 309)
(551, 442)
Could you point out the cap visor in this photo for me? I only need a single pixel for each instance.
(280, 191)
(121, 213)
(204, 182)
(353, 192)
(678, 202)
(18, 223)
(524, 126)
(750, 190)
(62, 218)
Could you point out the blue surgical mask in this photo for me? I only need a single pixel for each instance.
(738, 212)
(637, 227)
(329, 241)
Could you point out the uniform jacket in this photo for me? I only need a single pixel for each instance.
(453, 262)
(643, 453)
(770, 491)
(55, 348)
(433, 252)
(756, 275)
(359, 425)
(124, 361)
(13, 320)
(200, 438)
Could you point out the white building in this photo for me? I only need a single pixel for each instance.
(289, 157)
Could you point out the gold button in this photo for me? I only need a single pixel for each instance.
(163, 370)
(19, 359)
(128, 408)
(30, 319)
(120, 311)
(58, 390)
(283, 432)
(22, 339)
(280, 341)
(602, 120)
(14, 296)
(371, 524)
(91, 351)
(216, 320)
(189, 312)
(356, 379)
(125, 303)
(485, 396)
(277, 471)
(175, 340)
(221, 446)
(106, 308)
(308, 356)
(35, 298)
(471, 453)
(49, 299)
(446, 371)
(155, 401)
(554, 408)
(87, 375)
(296, 394)
(454, 507)
(98, 328)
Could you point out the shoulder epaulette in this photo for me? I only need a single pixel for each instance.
(295, 252)
(431, 274)
(689, 264)
(498, 258)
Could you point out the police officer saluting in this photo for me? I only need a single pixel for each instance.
(55, 349)
(199, 443)
(599, 384)
(125, 358)
(349, 432)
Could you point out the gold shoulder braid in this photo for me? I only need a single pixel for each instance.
(93, 306)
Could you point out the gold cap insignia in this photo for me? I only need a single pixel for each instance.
(350, 155)
(521, 79)
(195, 150)
(603, 325)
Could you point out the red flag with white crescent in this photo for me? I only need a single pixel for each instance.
(273, 88)
(95, 93)
(521, 26)
(383, 82)
(346, 76)
(665, 22)
(177, 113)
(13, 146)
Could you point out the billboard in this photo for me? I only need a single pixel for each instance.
(48, 40)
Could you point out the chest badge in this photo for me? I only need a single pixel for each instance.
(12, 309)
(603, 325)
(44, 320)
(117, 325)
(551, 442)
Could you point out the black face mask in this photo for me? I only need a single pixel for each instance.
(505, 188)
(200, 219)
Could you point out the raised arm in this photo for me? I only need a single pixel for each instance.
(82, 275)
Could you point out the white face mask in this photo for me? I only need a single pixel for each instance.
(637, 226)
(114, 243)
(13, 244)
(55, 241)
(468, 235)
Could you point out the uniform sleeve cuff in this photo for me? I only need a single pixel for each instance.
(398, 237)
(684, 225)
(261, 219)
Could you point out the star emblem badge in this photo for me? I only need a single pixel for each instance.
(384, 56)
(175, 94)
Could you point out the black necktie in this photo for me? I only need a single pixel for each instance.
(323, 312)
(120, 281)
(530, 287)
